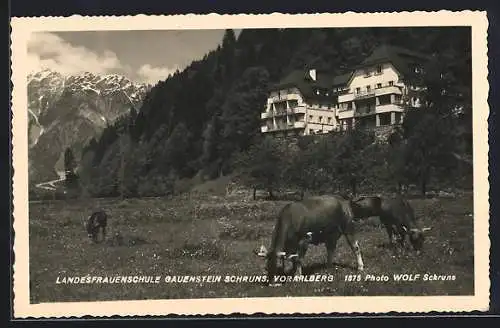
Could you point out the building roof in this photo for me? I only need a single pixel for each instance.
(341, 79)
(306, 85)
(401, 58)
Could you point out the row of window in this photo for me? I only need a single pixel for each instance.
(282, 106)
(369, 72)
(311, 131)
(320, 119)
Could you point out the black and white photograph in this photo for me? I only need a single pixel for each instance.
(331, 157)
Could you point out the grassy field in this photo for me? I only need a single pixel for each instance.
(215, 235)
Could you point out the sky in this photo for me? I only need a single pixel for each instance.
(142, 56)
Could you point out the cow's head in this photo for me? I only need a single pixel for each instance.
(272, 259)
(417, 237)
(89, 227)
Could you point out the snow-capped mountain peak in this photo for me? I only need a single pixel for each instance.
(65, 111)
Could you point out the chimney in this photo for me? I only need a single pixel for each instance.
(312, 74)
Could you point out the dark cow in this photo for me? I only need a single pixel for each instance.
(316, 220)
(399, 219)
(97, 221)
(396, 215)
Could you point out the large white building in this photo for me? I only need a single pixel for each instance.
(373, 94)
(301, 103)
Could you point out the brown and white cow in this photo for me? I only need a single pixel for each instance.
(316, 220)
(396, 215)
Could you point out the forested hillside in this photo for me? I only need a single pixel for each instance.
(204, 120)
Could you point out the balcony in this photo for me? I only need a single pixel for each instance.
(395, 107)
(364, 94)
(282, 112)
(283, 127)
(298, 125)
(345, 113)
(266, 115)
(284, 97)
(390, 89)
(364, 111)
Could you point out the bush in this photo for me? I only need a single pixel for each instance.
(155, 186)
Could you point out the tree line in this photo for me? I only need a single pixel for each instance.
(204, 120)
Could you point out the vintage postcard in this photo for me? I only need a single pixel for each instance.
(276, 164)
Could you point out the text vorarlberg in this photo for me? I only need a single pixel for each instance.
(183, 279)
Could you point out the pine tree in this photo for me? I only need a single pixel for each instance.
(71, 178)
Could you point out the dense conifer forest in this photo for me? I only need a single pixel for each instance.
(204, 122)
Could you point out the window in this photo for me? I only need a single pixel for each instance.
(329, 120)
(398, 118)
(311, 131)
(358, 90)
(368, 88)
(379, 85)
(367, 73)
(320, 119)
(391, 83)
(385, 118)
(310, 117)
(379, 69)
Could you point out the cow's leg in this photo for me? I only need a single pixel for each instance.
(402, 237)
(103, 233)
(354, 244)
(390, 234)
(331, 245)
(298, 260)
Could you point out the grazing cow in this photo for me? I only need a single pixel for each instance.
(399, 219)
(97, 221)
(396, 215)
(316, 220)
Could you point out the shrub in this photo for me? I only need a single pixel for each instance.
(155, 186)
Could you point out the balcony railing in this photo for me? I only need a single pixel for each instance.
(364, 94)
(282, 112)
(364, 111)
(284, 126)
(284, 97)
(388, 89)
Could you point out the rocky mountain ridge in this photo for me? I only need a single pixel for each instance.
(67, 111)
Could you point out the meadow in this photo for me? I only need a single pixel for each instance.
(211, 235)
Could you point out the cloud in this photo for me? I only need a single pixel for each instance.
(47, 50)
(152, 75)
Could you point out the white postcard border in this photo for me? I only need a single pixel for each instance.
(21, 29)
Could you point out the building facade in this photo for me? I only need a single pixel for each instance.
(372, 95)
(301, 104)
